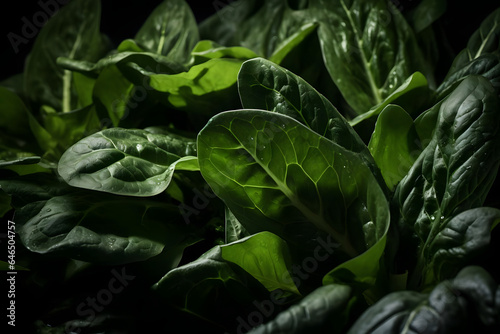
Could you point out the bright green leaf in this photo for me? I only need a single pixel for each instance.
(310, 182)
(265, 256)
(394, 144)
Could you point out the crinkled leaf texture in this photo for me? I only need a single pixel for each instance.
(322, 311)
(468, 303)
(53, 218)
(453, 173)
(487, 65)
(125, 161)
(277, 175)
(465, 237)
(368, 48)
(265, 85)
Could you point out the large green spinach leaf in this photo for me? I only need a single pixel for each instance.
(277, 175)
(454, 172)
(265, 85)
(368, 48)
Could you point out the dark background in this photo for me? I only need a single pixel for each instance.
(121, 20)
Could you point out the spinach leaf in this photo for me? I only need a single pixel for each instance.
(394, 144)
(53, 218)
(487, 65)
(414, 87)
(171, 30)
(484, 40)
(265, 256)
(368, 48)
(72, 33)
(265, 85)
(206, 286)
(272, 183)
(323, 310)
(206, 50)
(144, 59)
(454, 172)
(245, 23)
(113, 96)
(205, 89)
(463, 238)
(233, 229)
(469, 302)
(124, 161)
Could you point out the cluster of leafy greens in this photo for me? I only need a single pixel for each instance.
(280, 167)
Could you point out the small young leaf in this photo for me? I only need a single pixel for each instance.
(394, 144)
(265, 256)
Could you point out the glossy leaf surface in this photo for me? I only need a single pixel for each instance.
(124, 161)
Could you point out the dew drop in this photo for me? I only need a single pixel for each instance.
(433, 218)
(442, 217)
(251, 138)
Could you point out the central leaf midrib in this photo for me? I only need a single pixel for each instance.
(485, 40)
(311, 216)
